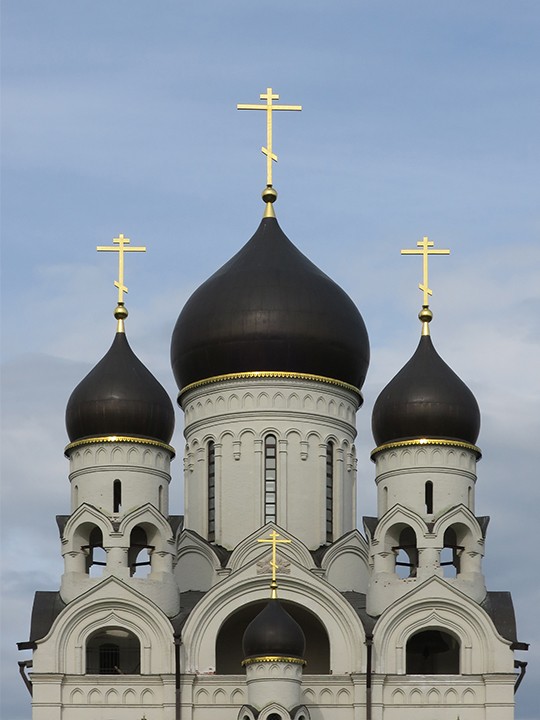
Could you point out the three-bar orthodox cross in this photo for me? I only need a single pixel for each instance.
(273, 540)
(122, 246)
(269, 96)
(425, 249)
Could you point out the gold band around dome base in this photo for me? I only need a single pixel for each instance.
(119, 439)
(273, 658)
(258, 374)
(427, 441)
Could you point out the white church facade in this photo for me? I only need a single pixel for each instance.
(164, 617)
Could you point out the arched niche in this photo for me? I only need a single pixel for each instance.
(432, 652)
(113, 651)
(229, 654)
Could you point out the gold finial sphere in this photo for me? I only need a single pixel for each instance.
(269, 195)
(425, 314)
(120, 312)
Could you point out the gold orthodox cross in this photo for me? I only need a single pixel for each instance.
(269, 96)
(273, 540)
(425, 249)
(122, 246)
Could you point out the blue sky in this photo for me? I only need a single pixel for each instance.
(419, 117)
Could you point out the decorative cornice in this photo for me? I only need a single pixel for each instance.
(262, 374)
(273, 658)
(419, 442)
(119, 439)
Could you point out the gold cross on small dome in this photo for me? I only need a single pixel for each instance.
(121, 246)
(273, 540)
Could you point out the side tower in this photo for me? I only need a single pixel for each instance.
(106, 637)
(440, 637)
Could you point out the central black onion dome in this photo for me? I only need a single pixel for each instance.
(269, 309)
(274, 633)
(426, 399)
(120, 396)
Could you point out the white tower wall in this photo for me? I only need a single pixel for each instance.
(304, 416)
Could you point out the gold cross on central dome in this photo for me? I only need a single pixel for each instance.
(121, 247)
(273, 540)
(425, 249)
(269, 96)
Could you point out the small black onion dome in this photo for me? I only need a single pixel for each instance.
(273, 632)
(426, 399)
(120, 396)
(269, 308)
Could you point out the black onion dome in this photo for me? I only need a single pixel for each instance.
(269, 309)
(273, 632)
(426, 399)
(120, 396)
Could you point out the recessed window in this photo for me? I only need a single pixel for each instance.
(113, 651)
(428, 491)
(329, 492)
(270, 479)
(432, 652)
(211, 483)
(117, 496)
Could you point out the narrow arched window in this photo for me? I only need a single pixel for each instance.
(113, 651)
(432, 652)
(160, 498)
(270, 478)
(329, 492)
(117, 496)
(211, 485)
(429, 497)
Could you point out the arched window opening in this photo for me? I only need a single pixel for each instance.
(96, 557)
(270, 479)
(211, 480)
(406, 554)
(160, 498)
(113, 651)
(329, 492)
(469, 499)
(429, 497)
(76, 496)
(385, 500)
(139, 554)
(117, 496)
(229, 653)
(450, 554)
(432, 652)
